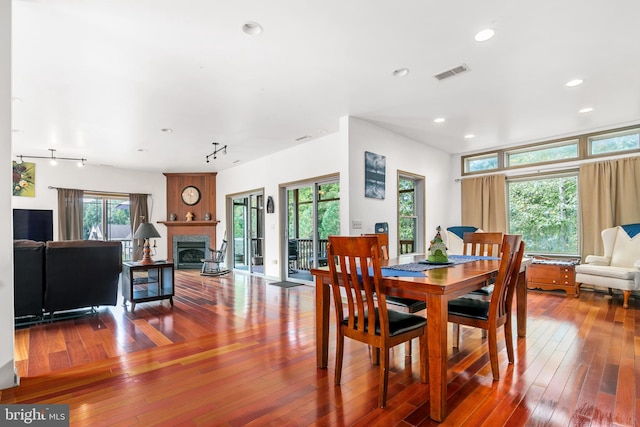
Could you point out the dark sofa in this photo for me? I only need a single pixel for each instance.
(28, 282)
(74, 274)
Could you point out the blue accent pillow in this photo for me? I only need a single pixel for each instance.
(631, 229)
(461, 229)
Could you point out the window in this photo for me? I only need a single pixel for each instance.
(614, 142)
(541, 154)
(580, 147)
(410, 214)
(112, 210)
(486, 162)
(545, 211)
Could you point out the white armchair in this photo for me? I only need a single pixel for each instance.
(619, 268)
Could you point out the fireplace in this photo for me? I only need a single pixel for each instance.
(189, 250)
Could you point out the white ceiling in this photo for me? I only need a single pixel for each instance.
(100, 78)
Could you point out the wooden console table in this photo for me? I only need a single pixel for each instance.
(141, 283)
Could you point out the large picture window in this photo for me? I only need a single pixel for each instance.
(545, 211)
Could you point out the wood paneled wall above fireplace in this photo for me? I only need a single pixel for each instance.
(205, 183)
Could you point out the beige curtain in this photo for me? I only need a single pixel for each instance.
(608, 197)
(70, 214)
(484, 202)
(139, 213)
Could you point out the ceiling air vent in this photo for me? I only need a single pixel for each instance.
(452, 72)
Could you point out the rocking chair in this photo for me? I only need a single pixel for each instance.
(211, 265)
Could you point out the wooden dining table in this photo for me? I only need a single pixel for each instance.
(437, 287)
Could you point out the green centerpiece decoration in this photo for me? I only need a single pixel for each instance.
(437, 249)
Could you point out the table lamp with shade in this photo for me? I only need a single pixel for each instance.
(145, 231)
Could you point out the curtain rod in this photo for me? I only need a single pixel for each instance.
(95, 191)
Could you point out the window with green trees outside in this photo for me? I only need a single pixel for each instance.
(545, 211)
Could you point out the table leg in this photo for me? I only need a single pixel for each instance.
(521, 303)
(437, 316)
(322, 323)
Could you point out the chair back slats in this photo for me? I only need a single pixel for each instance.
(383, 244)
(512, 253)
(354, 266)
(482, 244)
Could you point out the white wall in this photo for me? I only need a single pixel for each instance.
(96, 178)
(319, 157)
(7, 371)
(343, 153)
(402, 154)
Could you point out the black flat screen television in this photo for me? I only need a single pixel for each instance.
(33, 224)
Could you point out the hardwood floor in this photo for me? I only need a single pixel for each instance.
(236, 351)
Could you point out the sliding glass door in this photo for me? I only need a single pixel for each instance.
(312, 214)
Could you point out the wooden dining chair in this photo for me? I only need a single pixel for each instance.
(406, 305)
(383, 244)
(482, 244)
(354, 265)
(490, 315)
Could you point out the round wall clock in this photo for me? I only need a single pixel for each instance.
(190, 195)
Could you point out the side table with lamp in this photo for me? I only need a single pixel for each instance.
(147, 280)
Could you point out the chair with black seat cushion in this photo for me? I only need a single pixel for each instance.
(489, 315)
(354, 266)
(483, 244)
(406, 305)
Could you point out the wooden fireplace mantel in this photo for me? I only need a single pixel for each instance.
(212, 223)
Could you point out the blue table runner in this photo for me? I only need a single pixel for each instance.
(419, 267)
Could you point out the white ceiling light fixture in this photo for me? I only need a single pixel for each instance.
(574, 83)
(585, 110)
(469, 136)
(252, 29)
(401, 72)
(439, 120)
(484, 35)
(166, 130)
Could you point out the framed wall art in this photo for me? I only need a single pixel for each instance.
(24, 179)
(374, 175)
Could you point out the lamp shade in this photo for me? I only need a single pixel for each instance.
(146, 230)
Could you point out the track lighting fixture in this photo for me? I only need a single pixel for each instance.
(53, 159)
(216, 150)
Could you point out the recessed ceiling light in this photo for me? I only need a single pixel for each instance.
(586, 110)
(469, 136)
(574, 82)
(16, 99)
(236, 161)
(166, 130)
(439, 120)
(252, 28)
(16, 130)
(484, 35)
(401, 72)
(142, 150)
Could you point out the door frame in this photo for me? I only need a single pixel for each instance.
(231, 236)
(284, 224)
